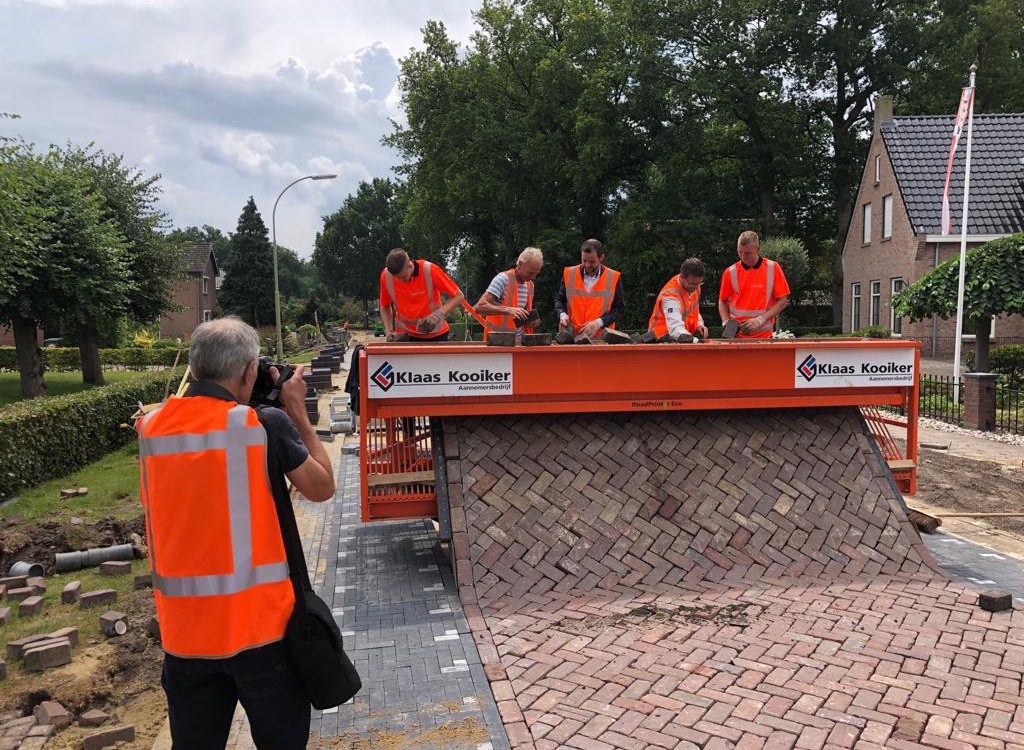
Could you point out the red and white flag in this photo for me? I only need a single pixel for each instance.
(958, 128)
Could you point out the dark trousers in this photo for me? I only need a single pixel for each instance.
(202, 695)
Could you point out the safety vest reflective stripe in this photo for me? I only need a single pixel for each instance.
(235, 441)
(506, 322)
(578, 298)
(769, 288)
(574, 288)
(409, 325)
(673, 289)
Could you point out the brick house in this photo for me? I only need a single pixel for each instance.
(895, 237)
(196, 294)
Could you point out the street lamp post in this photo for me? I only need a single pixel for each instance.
(273, 230)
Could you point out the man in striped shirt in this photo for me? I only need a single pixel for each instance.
(509, 297)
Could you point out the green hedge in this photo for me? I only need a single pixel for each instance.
(50, 437)
(1006, 360)
(66, 359)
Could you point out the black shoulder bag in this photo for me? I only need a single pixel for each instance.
(313, 637)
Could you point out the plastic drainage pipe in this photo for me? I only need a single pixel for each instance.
(67, 561)
(29, 569)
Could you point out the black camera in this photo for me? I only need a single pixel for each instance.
(265, 392)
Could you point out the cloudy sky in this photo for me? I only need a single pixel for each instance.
(225, 99)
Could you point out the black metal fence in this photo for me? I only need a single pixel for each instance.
(1008, 407)
(940, 400)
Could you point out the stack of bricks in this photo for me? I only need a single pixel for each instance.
(318, 377)
(312, 404)
(331, 362)
(742, 579)
(43, 651)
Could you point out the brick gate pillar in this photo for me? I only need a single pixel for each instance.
(980, 401)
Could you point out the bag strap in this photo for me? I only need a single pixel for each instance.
(297, 570)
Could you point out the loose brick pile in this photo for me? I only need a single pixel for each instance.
(716, 580)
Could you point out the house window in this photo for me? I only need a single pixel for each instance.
(207, 316)
(878, 169)
(854, 307)
(886, 217)
(867, 223)
(876, 303)
(895, 323)
(206, 285)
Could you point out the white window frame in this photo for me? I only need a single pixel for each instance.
(875, 306)
(878, 169)
(206, 285)
(855, 306)
(991, 331)
(887, 217)
(866, 219)
(207, 316)
(895, 322)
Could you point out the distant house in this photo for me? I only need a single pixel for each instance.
(895, 235)
(196, 294)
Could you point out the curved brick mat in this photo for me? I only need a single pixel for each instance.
(727, 580)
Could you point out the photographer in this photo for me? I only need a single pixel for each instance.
(211, 468)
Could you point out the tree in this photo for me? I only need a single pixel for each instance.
(356, 238)
(22, 229)
(792, 256)
(993, 285)
(82, 260)
(248, 288)
(989, 33)
(130, 201)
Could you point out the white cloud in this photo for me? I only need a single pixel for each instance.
(225, 99)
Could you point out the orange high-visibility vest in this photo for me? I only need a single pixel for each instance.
(220, 573)
(689, 305)
(414, 300)
(584, 306)
(507, 322)
(754, 298)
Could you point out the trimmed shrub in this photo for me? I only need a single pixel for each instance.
(1006, 360)
(67, 359)
(45, 438)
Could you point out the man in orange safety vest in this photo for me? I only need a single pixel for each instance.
(212, 483)
(753, 291)
(590, 297)
(676, 311)
(509, 297)
(415, 287)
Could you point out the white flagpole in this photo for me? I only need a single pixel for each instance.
(963, 250)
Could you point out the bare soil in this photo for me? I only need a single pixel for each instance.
(120, 676)
(41, 541)
(969, 485)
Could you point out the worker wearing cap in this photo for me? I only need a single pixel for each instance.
(676, 311)
(753, 291)
(509, 297)
(415, 287)
(590, 297)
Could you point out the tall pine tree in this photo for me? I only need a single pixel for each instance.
(248, 289)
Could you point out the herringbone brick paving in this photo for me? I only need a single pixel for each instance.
(734, 580)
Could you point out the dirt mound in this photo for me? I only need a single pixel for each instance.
(120, 676)
(40, 542)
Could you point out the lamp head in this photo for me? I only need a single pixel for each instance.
(323, 176)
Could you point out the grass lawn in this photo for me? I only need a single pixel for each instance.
(113, 483)
(57, 383)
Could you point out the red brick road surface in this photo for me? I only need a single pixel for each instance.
(716, 580)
